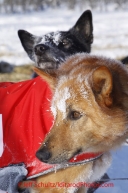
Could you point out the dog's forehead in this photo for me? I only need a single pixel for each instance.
(68, 92)
(59, 101)
(54, 37)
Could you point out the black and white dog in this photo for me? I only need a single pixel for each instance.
(48, 51)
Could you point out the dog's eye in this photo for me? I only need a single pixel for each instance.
(66, 43)
(75, 115)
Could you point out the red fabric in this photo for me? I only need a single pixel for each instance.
(85, 156)
(26, 120)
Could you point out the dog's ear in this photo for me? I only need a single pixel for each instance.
(102, 85)
(49, 77)
(84, 26)
(28, 41)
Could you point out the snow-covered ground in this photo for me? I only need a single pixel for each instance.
(110, 39)
(110, 31)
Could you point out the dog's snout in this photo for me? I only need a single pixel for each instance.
(43, 154)
(40, 49)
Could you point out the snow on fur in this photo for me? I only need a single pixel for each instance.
(61, 98)
(54, 36)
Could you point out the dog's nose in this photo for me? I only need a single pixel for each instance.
(43, 154)
(40, 49)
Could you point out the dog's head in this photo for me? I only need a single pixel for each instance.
(50, 50)
(90, 104)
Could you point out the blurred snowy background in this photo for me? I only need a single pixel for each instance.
(110, 20)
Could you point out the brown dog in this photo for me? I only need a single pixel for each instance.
(90, 105)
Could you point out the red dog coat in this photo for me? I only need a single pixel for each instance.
(26, 119)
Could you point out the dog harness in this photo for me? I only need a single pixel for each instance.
(25, 121)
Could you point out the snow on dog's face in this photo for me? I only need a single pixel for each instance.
(90, 108)
(50, 50)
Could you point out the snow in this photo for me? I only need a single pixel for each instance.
(110, 39)
(110, 34)
(60, 97)
(53, 110)
(55, 36)
(110, 31)
(61, 105)
(84, 92)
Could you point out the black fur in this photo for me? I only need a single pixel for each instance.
(51, 49)
(125, 60)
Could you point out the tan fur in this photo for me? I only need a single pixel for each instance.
(95, 87)
(50, 80)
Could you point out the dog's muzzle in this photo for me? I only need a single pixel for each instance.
(43, 154)
(40, 49)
